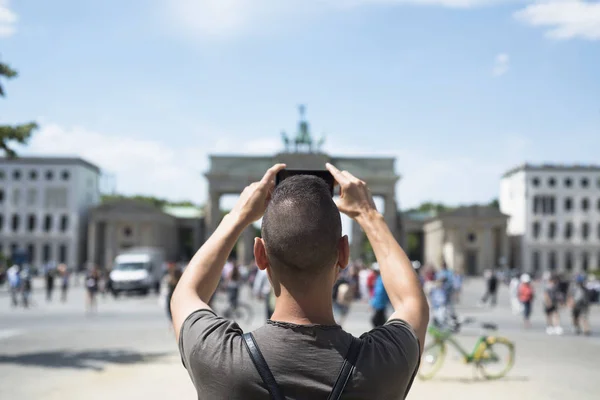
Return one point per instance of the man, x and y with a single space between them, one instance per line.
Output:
579 301
491 280
379 302
262 291
526 294
302 250
552 301
14 281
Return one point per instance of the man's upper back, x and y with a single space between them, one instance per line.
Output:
305 359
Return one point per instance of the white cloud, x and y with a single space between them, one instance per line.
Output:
143 166
8 19
565 19
222 18
501 64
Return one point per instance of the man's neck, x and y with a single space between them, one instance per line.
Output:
305 310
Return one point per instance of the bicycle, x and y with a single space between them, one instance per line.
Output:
489 352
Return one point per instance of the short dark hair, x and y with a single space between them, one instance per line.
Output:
302 226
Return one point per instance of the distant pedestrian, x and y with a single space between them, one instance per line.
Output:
14 283
372 279
63 274
26 285
173 275
49 272
579 301
552 301
491 293
92 283
513 292
261 289
363 277
344 292
526 296
379 302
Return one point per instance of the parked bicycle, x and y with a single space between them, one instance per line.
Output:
492 356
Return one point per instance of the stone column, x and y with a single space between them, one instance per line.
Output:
91 242
245 246
390 213
358 238
110 244
213 212
486 250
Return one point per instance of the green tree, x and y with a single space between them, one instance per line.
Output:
8 133
495 204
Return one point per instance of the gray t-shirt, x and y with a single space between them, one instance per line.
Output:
305 359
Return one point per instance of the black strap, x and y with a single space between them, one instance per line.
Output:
269 380
262 367
347 369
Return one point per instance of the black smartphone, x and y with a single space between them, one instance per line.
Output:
323 174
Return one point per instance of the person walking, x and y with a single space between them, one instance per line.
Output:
92 284
513 292
526 296
261 289
173 276
14 283
233 281
552 300
379 302
26 285
491 293
579 301
343 294
49 272
63 274
301 352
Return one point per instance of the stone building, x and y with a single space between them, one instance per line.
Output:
121 224
468 239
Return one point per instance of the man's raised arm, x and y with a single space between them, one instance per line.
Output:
201 277
399 278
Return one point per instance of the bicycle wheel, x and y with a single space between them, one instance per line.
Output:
495 357
432 359
243 313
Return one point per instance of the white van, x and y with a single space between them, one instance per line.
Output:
137 269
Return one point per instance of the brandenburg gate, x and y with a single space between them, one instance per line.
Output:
230 174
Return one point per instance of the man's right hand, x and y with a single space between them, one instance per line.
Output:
355 197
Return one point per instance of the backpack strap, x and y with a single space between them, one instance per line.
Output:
347 368
262 367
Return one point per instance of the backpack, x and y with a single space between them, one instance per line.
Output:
525 293
345 294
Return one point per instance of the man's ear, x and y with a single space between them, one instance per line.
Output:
343 252
260 254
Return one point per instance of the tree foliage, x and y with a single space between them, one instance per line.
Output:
12 134
155 201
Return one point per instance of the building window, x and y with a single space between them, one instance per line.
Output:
552 261
16 221
471 237
585 261
2 175
62 253
535 261
46 253
2 197
598 204
64 223
49 175
598 230
2 223
13 249
568 204
66 175
535 182
48 223
31 223
33 175
568 182
16 197
551 182
568 230
536 229
585 230
544 205
551 230
31 253
568 261
585 182
127 231
585 204
31 196
16 175
56 197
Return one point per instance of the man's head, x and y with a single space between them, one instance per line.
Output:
301 232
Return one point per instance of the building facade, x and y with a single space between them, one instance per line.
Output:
44 203
468 239
554 217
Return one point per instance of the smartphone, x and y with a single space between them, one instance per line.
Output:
323 174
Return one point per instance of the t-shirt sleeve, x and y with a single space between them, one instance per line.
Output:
206 340
394 352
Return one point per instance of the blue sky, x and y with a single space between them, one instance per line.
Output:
458 90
